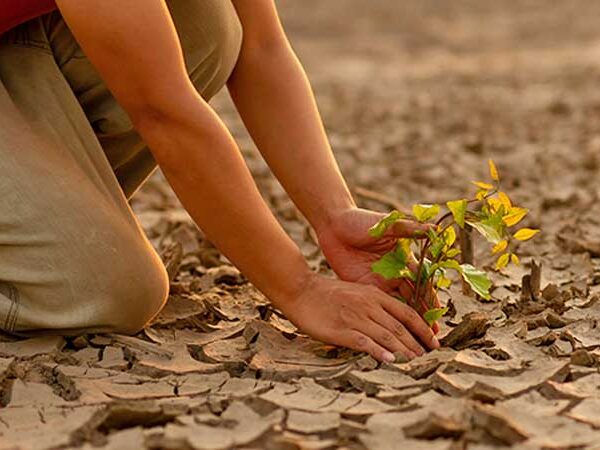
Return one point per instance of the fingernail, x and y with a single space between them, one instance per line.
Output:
388 357
436 343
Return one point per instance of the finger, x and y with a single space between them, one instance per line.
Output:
398 330
386 338
406 291
408 229
359 341
411 320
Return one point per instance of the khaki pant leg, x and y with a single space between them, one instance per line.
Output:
210 34
72 256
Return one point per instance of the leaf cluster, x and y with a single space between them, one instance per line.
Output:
425 261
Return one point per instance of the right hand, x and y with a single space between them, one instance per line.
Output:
360 317
351 252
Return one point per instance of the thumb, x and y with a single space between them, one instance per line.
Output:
408 229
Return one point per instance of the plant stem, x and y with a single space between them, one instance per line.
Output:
424 247
423 253
426 244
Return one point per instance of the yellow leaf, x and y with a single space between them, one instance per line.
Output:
505 201
502 261
450 236
500 247
423 212
524 234
452 253
481 194
493 170
443 282
514 216
515 259
405 244
494 203
482 185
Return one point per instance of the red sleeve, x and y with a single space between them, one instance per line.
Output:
15 12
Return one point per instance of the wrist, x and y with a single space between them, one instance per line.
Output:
290 280
330 216
296 285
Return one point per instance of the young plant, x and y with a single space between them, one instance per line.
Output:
426 260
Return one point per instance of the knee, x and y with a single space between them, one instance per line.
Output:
120 284
211 34
114 286
138 288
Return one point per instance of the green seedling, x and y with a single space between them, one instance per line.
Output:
425 261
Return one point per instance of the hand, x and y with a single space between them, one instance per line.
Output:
359 317
350 251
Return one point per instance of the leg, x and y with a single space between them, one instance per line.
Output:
210 34
72 256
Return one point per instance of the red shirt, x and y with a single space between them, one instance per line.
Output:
15 12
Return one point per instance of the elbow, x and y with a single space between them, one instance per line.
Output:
261 49
167 126
160 106
147 116
160 124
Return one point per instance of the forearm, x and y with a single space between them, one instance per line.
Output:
274 98
203 165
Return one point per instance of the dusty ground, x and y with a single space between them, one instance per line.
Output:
416 96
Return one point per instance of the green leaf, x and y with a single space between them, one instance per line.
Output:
477 279
423 213
433 315
437 243
427 270
490 226
391 264
451 264
453 252
379 229
458 209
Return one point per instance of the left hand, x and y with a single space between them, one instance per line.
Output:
350 251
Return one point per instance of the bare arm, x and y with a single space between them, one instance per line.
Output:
135 48
275 100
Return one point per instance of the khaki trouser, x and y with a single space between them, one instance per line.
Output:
72 256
